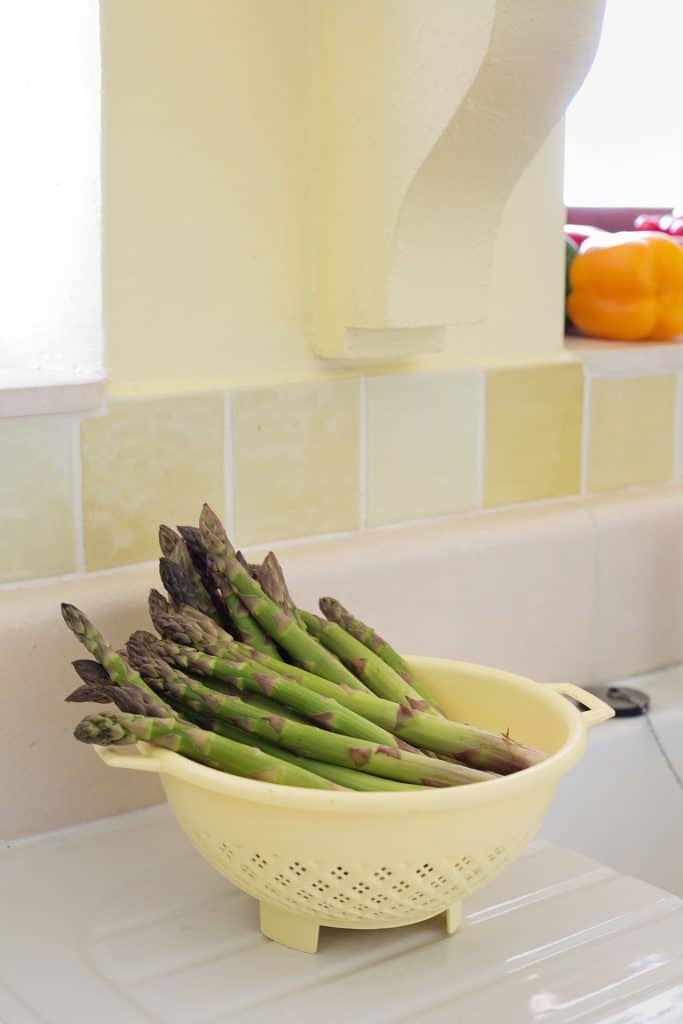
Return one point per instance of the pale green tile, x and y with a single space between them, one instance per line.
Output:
36 498
150 460
423 445
296 460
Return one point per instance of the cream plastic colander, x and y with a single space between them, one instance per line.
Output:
377 860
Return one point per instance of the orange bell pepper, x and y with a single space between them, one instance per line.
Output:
627 286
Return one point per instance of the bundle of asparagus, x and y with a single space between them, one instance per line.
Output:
242 680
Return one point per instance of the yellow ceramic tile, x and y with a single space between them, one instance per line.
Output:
36 500
296 456
148 461
533 433
423 448
631 432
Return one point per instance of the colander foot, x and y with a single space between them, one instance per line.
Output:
288 929
453 917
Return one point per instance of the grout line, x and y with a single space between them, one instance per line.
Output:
228 467
363 454
585 430
77 495
567 502
481 441
594 631
677 428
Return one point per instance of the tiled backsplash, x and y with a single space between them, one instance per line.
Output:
323 457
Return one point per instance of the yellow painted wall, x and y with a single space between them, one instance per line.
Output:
207 213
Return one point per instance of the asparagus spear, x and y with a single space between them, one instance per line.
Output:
130 699
151 657
185 625
279 625
466 743
246 627
193 538
362 755
199 745
168 539
336 612
347 777
118 670
374 672
272 580
348 751
184 584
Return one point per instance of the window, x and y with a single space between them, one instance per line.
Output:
50 242
624 145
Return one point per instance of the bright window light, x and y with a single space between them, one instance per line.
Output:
624 145
50 216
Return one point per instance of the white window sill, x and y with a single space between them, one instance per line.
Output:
627 358
48 392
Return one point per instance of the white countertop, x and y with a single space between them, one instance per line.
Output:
121 922
623 802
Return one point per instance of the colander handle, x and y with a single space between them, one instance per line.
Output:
141 762
598 710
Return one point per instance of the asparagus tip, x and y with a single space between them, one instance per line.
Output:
102 729
86 692
74 618
91 672
167 539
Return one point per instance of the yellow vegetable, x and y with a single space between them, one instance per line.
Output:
627 287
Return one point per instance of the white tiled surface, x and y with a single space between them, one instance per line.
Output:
121 922
623 802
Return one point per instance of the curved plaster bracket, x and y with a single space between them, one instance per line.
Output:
425 114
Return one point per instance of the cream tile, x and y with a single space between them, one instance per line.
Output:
149 461
631 431
296 460
423 445
36 499
639 584
533 433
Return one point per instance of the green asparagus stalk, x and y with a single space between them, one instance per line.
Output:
336 612
151 657
217 752
467 744
272 579
361 755
347 777
278 624
118 670
247 628
374 672
304 739
244 625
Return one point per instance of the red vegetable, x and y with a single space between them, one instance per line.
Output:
647 222
580 232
